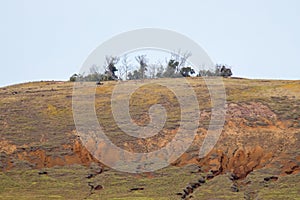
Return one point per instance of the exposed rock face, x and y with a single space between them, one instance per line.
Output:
240 161
253 138
39 158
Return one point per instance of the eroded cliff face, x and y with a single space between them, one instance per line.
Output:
253 138
23 157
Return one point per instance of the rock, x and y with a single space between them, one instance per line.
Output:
234 188
233 177
90 176
93 187
136 189
195 185
185 191
201 180
98 187
190 189
209 176
43 173
271 178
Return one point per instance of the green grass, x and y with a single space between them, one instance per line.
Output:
70 183
286 187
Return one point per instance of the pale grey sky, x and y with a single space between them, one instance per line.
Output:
50 39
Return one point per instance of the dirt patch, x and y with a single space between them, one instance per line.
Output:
251 109
7 147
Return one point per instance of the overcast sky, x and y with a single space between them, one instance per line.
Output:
50 39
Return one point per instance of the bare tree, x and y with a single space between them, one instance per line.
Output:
181 58
121 71
152 70
142 60
125 67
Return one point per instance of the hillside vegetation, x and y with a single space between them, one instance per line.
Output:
256 157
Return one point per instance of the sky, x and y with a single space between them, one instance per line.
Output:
50 39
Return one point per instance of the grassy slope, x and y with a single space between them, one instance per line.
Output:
39 116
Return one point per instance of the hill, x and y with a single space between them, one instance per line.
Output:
256 157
